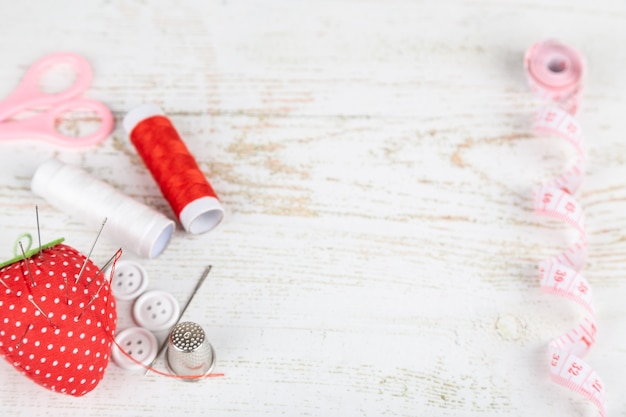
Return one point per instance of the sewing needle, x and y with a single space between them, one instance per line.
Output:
23 336
31 298
38 229
93 298
193 293
32 279
91 250
106 265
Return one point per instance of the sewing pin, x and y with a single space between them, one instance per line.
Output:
32 279
23 336
32 300
38 229
193 293
91 250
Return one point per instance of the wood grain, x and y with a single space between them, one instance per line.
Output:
376 162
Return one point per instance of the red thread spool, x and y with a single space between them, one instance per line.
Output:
174 168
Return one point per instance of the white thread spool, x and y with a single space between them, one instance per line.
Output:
133 225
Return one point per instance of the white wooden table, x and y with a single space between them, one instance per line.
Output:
376 162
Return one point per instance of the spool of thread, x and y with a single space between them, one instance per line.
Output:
174 169
131 224
555 72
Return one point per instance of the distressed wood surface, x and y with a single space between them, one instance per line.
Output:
376 162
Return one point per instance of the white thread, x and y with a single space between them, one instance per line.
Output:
131 224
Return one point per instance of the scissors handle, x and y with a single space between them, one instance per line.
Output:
43 125
28 95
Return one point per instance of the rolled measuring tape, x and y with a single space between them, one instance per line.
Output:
561 274
555 73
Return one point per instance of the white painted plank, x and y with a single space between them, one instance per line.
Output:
376 162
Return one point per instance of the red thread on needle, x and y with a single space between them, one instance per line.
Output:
174 168
161 373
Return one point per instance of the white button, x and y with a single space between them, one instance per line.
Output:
156 310
138 343
129 280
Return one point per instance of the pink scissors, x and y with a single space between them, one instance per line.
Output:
29 96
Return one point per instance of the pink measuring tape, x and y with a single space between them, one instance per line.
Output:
555 72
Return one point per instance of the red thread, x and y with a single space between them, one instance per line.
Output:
170 162
156 371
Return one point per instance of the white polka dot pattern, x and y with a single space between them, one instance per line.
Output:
57 332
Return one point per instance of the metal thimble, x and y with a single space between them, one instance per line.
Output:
189 353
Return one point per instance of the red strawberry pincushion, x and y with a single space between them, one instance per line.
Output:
54 330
